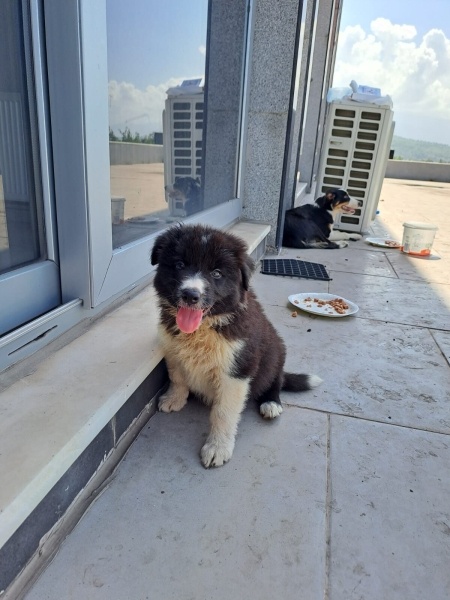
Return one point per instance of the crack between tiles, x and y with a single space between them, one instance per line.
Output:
368 419
391 264
328 501
418 326
447 360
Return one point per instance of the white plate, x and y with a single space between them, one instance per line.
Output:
381 242
306 302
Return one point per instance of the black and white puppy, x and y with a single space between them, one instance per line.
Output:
311 225
188 192
217 341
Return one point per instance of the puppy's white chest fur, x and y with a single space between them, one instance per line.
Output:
205 358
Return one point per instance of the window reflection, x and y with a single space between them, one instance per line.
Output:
156 67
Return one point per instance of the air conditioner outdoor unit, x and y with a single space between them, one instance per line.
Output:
354 157
183 136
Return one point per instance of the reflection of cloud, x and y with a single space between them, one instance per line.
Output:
416 73
140 110
202 50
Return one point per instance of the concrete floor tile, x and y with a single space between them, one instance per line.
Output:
434 269
370 369
395 300
389 512
168 528
358 257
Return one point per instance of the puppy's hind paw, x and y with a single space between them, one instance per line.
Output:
270 410
354 237
342 243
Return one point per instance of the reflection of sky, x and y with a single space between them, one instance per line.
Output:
150 41
152 44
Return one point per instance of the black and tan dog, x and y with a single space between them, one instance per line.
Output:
217 341
311 225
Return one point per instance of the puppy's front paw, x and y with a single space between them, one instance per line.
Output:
171 402
342 243
215 453
270 410
354 237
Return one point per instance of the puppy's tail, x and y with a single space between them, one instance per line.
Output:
296 382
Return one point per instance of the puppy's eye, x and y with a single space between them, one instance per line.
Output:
216 274
179 265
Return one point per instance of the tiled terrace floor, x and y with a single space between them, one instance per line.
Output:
345 497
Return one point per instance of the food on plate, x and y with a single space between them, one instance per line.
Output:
337 304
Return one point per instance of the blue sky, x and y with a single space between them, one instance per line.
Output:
403 47
150 41
423 14
153 44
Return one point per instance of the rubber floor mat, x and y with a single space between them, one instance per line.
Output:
289 267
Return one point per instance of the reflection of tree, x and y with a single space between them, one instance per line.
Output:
134 138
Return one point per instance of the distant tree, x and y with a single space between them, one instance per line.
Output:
133 138
126 135
112 136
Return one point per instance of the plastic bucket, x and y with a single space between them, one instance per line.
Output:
117 210
418 238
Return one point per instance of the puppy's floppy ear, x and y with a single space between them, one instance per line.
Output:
160 242
247 268
157 247
330 195
321 201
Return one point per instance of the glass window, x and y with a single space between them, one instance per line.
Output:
21 222
29 275
156 71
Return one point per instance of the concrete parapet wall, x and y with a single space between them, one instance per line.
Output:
423 171
126 153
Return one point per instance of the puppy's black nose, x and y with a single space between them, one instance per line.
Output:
190 295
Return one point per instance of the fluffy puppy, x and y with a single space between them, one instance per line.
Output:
217 341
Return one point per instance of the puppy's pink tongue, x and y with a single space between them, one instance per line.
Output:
189 319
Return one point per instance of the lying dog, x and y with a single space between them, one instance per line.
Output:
311 225
217 341
187 194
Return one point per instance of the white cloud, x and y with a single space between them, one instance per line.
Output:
202 50
140 110
414 72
